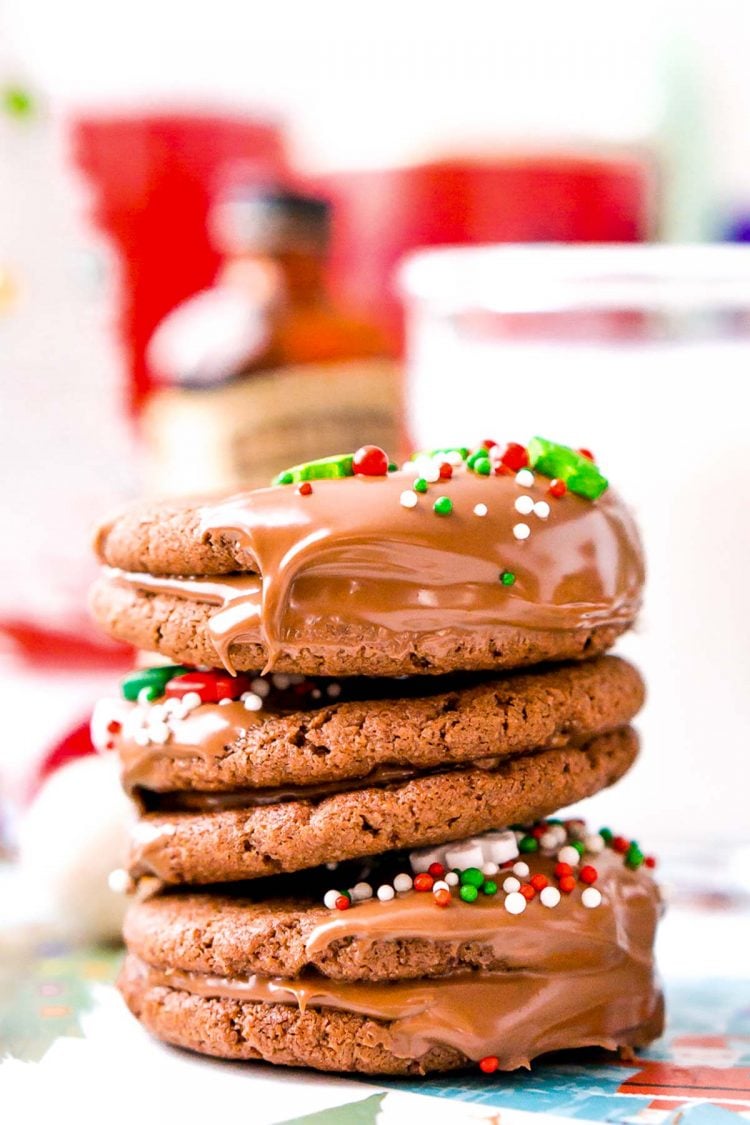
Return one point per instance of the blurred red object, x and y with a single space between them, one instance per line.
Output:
154 177
48 649
381 215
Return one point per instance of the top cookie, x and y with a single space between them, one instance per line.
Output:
458 560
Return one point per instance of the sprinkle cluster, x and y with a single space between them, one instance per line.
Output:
168 694
496 864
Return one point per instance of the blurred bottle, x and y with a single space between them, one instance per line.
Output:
261 370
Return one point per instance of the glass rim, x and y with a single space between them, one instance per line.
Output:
547 277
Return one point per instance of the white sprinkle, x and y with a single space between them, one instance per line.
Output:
158 733
296 679
408 499
331 866
281 681
261 687
480 509
521 869
225 701
191 700
402 883
333 691
524 505
591 897
386 893
570 855
157 713
119 882
541 509
549 841
142 737
316 693
252 701
453 458
360 892
490 869
440 885
549 896
515 903
511 885
431 472
521 530
525 478
451 878
329 899
170 707
594 843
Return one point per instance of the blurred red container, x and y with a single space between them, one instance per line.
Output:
381 215
154 177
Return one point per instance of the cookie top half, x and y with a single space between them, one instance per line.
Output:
500 557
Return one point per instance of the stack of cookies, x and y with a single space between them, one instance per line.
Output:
375 688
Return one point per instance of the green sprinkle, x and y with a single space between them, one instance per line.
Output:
607 835
507 577
392 467
479 455
566 464
443 506
489 887
483 466
634 857
152 681
468 893
528 844
579 846
471 877
420 485
326 468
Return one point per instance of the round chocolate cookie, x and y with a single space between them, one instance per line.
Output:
378 575
285 737
248 842
406 985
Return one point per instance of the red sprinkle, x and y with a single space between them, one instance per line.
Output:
588 874
446 471
538 832
210 686
620 844
109 744
489 1064
370 461
539 882
488 443
342 903
113 726
562 869
557 488
567 884
527 891
304 489
442 897
650 861
587 454
423 881
436 870
515 456
502 470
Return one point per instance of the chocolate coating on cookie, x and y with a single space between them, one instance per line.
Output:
348 581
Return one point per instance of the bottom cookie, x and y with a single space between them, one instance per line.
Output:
409 1027
441 969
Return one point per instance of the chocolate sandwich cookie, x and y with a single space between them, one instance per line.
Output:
542 955
458 561
253 840
270 738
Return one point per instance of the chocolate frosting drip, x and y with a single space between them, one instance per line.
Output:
351 557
